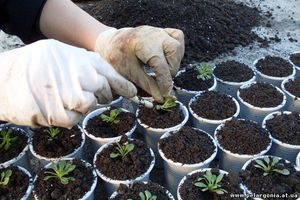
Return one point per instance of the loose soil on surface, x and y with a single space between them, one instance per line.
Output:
188 80
233 71
54 189
214 105
285 128
17 185
230 183
293 86
132 192
16 147
133 165
273 183
239 136
160 118
65 142
274 66
99 128
188 146
262 95
295 58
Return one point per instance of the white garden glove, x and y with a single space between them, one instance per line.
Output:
51 83
127 50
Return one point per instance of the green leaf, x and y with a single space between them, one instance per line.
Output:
275 161
148 194
153 198
283 171
267 160
142 196
260 162
200 184
219 178
114 155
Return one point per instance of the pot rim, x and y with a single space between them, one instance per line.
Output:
298 161
296 66
287 92
120 98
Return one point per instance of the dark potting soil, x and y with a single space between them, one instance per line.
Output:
188 146
230 182
274 66
273 183
54 189
16 147
99 128
285 128
63 144
214 105
233 71
132 191
188 80
17 185
262 95
295 58
293 86
160 118
133 165
239 136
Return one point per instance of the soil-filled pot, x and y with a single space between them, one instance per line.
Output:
14 147
123 162
133 191
46 147
100 131
190 187
259 99
284 128
19 185
281 181
183 151
291 87
79 180
239 141
231 75
273 70
295 59
210 109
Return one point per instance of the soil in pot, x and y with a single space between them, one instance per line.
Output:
239 136
295 58
262 95
274 66
64 143
188 146
233 71
17 144
99 128
214 105
17 184
293 86
230 183
75 189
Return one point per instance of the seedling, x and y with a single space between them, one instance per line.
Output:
205 72
5 176
61 170
146 196
53 132
210 183
168 104
268 166
112 118
7 139
123 150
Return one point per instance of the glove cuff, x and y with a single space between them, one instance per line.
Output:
102 37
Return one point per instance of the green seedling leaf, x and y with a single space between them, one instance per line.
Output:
209 182
5 176
7 139
269 166
146 195
112 118
53 132
122 150
168 104
205 72
60 171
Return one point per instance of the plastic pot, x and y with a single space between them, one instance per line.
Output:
280 149
298 161
209 125
117 103
255 113
296 66
292 102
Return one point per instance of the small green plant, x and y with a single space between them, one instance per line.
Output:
205 72
169 103
53 132
61 170
5 176
7 139
146 196
123 150
269 166
112 118
210 183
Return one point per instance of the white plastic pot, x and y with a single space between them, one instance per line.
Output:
233 162
296 66
117 103
175 171
209 125
280 149
298 161
97 142
112 185
292 102
255 113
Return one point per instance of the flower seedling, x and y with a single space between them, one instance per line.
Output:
210 183
5 176
146 196
60 171
168 104
7 139
112 118
268 166
53 132
205 72
123 150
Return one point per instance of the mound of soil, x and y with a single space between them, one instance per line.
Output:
295 58
293 86
274 66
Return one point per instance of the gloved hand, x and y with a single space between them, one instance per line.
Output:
127 50
51 83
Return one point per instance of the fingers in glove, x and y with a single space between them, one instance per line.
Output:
87 101
71 118
103 94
